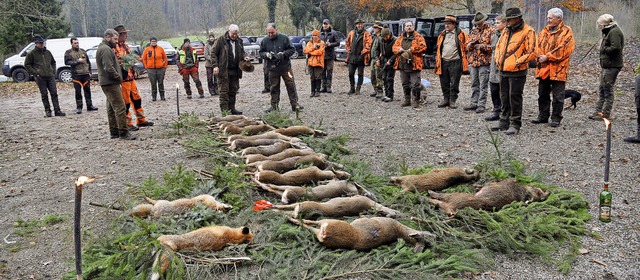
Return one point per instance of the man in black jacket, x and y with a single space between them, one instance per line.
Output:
41 64
331 41
80 73
276 49
226 55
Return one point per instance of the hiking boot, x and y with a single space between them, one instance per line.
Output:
387 99
78 111
163 99
127 136
373 94
499 128
443 103
92 108
352 90
59 114
153 98
357 90
266 90
595 116
406 102
480 110
632 139
328 89
554 124
452 104
297 107
511 131
539 120
47 114
493 117
273 108
470 107
188 96
202 95
324 89
147 123
114 134
236 112
133 128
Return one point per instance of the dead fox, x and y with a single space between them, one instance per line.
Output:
333 188
300 177
287 153
298 130
211 238
491 197
162 207
365 233
338 207
436 179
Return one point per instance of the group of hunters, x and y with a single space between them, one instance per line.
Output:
496 56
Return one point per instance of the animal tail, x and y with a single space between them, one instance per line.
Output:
222 192
150 200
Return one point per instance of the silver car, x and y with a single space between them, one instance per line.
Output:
91 53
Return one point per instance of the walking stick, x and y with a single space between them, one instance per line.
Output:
76 224
178 98
589 51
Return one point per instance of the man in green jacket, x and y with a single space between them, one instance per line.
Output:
41 64
611 63
110 78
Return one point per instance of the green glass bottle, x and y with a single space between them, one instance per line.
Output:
605 204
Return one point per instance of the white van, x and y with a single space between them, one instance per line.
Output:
14 66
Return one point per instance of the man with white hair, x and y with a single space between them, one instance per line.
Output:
611 62
554 47
225 58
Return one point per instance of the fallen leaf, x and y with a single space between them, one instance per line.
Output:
599 262
583 251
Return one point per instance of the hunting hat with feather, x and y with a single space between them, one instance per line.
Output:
246 66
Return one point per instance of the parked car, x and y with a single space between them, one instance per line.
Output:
297 42
252 48
170 51
199 47
307 37
136 49
14 66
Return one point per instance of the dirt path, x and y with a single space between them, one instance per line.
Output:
41 157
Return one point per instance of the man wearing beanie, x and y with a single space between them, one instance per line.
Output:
188 66
386 61
315 60
41 64
611 63
330 39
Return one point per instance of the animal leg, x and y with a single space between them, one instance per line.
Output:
436 195
395 214
306 224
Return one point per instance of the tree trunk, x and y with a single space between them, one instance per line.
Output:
496 6
471 7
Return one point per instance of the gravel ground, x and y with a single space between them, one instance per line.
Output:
41 157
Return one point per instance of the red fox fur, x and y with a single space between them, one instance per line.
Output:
338 207
211 238
161 207
251 129
364 233
291 152
291 163
299 176
298 130
491 197
436 179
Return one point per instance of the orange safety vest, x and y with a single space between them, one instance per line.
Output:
515 50
461 45
418 46
557 45
316 55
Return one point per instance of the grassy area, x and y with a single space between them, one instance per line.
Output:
552 229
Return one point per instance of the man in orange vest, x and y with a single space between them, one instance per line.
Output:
554 47
514 51
130 91
358 47
451 60
408 49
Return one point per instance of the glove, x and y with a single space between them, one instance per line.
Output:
269 55
279 56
